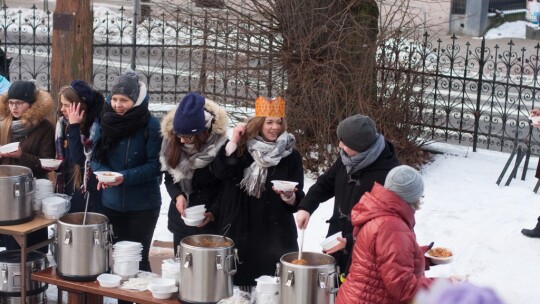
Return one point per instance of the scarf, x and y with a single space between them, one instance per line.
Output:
18 130
115 127
265 155
363 159
61 148
193 159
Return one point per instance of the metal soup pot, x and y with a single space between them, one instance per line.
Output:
313 283
207 265
83 250
17 188
11 273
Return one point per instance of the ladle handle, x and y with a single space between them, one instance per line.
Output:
301 243
86 207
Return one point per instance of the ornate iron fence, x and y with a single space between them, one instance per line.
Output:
470 95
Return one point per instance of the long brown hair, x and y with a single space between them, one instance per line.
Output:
5 129
173 151
254 127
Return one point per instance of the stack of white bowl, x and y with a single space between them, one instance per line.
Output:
44 188
55 205
126 257
267 290
162 288
170 269
194 215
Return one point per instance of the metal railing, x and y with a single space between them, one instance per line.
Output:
469 95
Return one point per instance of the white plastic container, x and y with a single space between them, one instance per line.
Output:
331 241
109 280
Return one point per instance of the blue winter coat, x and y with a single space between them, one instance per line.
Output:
137 159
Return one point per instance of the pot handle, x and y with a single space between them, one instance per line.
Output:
290 278
333 278
187 261
230 260
4 275
67 237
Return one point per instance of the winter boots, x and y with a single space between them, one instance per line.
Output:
534 233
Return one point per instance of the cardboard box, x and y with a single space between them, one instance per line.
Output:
159 251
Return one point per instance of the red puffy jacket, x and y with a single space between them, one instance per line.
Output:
387 264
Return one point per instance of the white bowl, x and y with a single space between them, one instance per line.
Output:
282 185
162 295
162 285
331 241
50 163
8 148
535 120
267 284
193 221
195 211
109 280
107 176
438 259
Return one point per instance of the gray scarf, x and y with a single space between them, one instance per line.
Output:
363 159
18 131
183 173
265 155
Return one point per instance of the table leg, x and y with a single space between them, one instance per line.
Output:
94 299
76 298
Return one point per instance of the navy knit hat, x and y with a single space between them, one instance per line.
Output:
357 132
84 91
22 90
189 117
127 84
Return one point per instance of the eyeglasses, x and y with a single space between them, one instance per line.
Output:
185 137
15 104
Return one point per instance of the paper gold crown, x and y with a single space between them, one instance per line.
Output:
265 107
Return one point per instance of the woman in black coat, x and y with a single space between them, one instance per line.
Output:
193 134
260 219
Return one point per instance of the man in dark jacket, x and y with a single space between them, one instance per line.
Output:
365 158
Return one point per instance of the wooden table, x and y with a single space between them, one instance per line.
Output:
20 233
92 293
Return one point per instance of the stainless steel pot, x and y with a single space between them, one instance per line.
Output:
17 188
82 250
314 283
11 273
207 265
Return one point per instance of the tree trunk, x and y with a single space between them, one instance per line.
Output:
72 44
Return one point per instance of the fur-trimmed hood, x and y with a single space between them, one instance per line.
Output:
39 111
219 126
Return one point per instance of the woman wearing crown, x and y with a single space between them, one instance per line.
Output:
258 217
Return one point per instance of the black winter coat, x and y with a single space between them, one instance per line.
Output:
347 190
205 190
263 229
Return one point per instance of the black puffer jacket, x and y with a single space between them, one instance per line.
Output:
347 190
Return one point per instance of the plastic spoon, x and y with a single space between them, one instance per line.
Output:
301 244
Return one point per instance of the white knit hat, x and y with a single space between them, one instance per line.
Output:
406 182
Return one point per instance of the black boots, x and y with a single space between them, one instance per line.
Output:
534 233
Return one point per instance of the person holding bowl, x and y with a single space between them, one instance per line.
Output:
257 217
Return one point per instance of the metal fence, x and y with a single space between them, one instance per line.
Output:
506 5
469 95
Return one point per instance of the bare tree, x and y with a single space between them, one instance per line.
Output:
329 52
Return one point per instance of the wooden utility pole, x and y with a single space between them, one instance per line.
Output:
72 44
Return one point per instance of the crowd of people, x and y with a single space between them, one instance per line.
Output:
375 197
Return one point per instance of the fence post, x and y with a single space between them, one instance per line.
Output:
136 6
479 92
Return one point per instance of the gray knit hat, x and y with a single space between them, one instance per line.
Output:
127 84
406 182
357 132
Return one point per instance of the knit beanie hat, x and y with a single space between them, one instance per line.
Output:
466 293
406 182
357 132
84 91
189 118
127 84
22 90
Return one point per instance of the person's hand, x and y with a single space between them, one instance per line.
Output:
181 204
16 154
286 196
117 181
302 219
48 168
342 243
74 113
238 132
535 112
208 217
